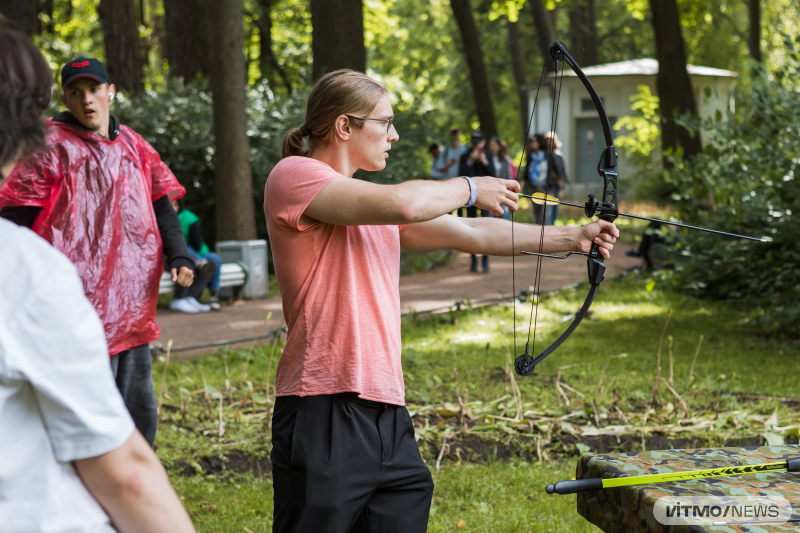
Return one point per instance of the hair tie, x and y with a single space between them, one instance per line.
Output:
304 131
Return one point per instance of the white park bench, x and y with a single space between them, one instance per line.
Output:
233 275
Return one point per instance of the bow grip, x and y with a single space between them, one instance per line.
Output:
596 266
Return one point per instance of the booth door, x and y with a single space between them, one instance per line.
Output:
590 146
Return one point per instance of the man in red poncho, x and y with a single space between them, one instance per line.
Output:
101 195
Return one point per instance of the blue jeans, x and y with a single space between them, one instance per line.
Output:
133 373
551 212
213 285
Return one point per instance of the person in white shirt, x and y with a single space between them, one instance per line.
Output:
72 460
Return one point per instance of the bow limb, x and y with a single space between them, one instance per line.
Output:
525 364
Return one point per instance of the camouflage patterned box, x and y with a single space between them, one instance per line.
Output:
630 509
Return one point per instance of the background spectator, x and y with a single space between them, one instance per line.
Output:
437 165
503 166
477 161
207 262
556 174
536 173
451 155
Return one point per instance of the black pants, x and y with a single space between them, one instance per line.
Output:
342 464
133 372
204 272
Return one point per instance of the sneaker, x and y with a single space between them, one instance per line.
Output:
201 308
213 303
633 253
183 305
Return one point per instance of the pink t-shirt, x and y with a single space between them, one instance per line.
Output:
340 292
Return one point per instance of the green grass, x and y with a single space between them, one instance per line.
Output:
500 496
446 357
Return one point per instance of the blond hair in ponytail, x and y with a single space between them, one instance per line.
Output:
341 92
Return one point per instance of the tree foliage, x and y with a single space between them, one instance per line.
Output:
751 174
644 133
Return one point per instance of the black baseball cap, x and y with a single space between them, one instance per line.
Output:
477 137
83 67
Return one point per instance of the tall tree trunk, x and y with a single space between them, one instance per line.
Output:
47 8
545 31
337 36
477 69
521 77
754 36
233 179
583 32
124 60
187 30
22 14
673 83
266 59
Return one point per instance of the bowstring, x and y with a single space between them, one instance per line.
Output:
513 248
537 280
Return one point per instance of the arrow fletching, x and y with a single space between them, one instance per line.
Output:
541 198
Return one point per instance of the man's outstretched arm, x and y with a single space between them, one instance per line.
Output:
132 486
352 202
492 236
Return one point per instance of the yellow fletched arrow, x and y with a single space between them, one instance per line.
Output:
542 199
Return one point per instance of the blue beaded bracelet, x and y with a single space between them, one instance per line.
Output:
473 191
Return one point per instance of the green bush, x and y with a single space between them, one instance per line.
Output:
750 176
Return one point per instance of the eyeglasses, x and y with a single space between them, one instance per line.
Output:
388 121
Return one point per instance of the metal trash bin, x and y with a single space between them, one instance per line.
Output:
253 254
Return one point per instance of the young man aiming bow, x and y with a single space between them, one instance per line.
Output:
344 454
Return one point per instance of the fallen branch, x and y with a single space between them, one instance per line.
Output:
691 370
441 453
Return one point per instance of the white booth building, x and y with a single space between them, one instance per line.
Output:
578 125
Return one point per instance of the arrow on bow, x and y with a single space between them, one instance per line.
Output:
590 209
605 209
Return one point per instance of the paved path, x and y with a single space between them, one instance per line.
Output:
428 290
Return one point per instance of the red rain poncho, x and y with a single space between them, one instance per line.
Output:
97 197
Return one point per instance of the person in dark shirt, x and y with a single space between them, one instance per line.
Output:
477 161
208 265
556 175
101 196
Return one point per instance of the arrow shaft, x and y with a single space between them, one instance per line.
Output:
582 485
693 474
543 201
692 227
